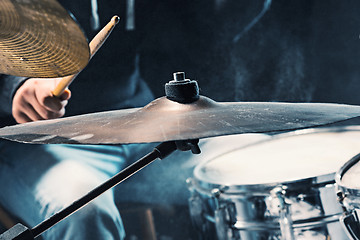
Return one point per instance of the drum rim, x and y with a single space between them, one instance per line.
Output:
342 171
324 179
261 189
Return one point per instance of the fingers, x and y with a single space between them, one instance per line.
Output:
23 109
22 118
47 108
47 100
66 95
25 113
51 103
34 101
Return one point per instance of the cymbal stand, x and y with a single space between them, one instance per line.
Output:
21 232
180 90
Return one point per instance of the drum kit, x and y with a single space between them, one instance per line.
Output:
282 188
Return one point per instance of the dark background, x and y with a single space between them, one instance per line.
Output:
298 51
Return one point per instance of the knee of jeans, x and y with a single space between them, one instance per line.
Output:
99 213
66 182
99 219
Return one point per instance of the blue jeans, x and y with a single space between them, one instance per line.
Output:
40 180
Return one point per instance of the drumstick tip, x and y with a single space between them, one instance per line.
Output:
115 19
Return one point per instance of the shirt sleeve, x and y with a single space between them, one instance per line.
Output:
8 86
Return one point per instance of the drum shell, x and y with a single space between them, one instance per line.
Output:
251 211
254 214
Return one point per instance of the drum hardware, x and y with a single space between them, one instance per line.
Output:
38 38
349 220
196 210
225 213
351 223
347 196
196 213
182 90
228 227
294 201
297 224
278 196
223 216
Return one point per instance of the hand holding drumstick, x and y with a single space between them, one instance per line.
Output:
40 99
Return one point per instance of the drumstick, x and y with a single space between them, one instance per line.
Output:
94 46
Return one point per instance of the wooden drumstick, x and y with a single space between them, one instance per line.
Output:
94 46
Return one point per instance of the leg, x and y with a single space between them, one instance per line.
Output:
40 180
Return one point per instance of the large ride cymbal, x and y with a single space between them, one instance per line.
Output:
166 120
38 38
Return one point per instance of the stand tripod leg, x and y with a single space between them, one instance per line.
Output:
17 232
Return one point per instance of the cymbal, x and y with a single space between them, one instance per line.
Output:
38 38
166 120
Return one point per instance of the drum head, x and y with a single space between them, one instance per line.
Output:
307 154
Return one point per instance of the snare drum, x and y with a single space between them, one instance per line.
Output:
281 188
348 191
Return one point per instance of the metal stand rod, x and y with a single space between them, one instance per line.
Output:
161 151
21 232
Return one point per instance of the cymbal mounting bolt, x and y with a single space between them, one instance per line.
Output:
182 90
179 76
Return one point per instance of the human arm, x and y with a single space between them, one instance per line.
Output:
34 101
